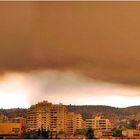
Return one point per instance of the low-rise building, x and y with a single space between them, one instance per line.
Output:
98 123
103 133
3 118
19 120
131 133
10 130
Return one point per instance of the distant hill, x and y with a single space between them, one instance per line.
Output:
14 112
132 109
88 111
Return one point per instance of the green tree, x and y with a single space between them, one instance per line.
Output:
117 132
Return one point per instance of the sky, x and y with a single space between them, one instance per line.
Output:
69 52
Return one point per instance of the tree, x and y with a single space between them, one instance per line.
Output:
51 135
47 133
39 132
33 134
56 135
117 132
80 132
26 135
133 124
90 133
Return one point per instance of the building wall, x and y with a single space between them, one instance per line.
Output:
138 126
89 123
71 123
58 118
131 133
79 121
47 116
10 128
74 122
102 133
19 120
3 118
32 118
38 116
98 123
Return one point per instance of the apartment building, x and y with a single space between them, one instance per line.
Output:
47 116
79 121
38 116
74 122
71 123
57 118
98 123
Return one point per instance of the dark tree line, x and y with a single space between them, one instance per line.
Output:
40 134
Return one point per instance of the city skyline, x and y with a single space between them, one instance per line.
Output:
82 53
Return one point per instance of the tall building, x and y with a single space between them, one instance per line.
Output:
79 121
74 122
47 116
38 116
98 123
71 123
57 118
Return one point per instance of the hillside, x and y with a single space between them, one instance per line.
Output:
14 112
88 111
132 109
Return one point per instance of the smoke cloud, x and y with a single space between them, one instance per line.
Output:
98 39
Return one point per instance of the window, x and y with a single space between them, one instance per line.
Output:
15 130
